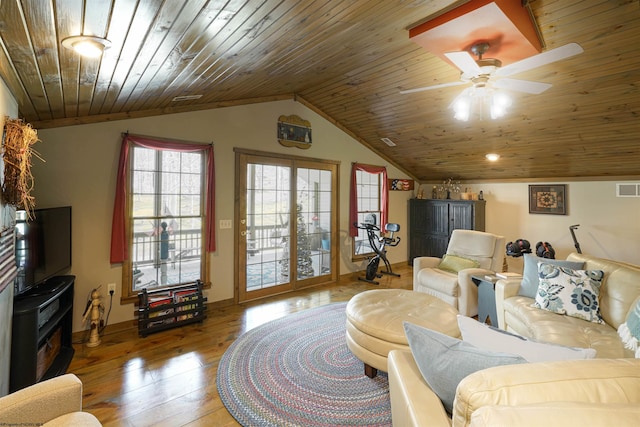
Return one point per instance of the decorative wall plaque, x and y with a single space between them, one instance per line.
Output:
400 184
548 199
294 132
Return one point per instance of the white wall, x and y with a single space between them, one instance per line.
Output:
609 225
80 171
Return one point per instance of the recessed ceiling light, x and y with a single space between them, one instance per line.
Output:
186 98
389 142
88 46
492 157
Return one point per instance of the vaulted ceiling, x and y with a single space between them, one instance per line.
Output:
347 60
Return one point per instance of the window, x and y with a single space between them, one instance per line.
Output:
368 209
368 205
167 214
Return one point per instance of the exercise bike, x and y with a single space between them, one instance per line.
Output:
379 246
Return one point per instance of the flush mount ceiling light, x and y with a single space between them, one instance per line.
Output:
88 46
492 157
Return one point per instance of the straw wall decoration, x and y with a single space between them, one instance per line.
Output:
18 137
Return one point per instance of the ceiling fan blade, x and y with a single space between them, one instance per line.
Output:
522 85
464 61
544 58
421 89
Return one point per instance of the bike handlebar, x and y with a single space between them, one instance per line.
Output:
367 226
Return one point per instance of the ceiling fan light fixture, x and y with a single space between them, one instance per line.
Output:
480 101
500 101
462 105
87 46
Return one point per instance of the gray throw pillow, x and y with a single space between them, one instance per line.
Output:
530 279
444 361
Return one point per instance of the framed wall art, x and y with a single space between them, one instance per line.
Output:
548 199
294 131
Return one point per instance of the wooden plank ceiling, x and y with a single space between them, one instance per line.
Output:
347 60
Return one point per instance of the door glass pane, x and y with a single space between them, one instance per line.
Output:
267 239
313 222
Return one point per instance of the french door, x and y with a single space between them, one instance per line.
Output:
286 216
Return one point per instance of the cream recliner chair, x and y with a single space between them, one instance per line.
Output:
457 289
56 402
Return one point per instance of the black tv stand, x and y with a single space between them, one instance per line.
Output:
51 286
41 345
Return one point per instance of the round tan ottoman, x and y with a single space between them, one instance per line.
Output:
374 323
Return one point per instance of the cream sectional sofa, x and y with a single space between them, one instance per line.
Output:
619 291
596 392
591 392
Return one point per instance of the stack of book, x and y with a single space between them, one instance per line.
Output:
508 275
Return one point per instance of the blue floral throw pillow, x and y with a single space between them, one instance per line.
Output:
629 331
571 292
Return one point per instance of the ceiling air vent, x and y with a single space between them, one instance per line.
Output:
389 142
627 189
186 98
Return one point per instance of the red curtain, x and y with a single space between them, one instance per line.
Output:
353 196
119 247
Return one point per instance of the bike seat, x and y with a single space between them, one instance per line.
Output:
392 226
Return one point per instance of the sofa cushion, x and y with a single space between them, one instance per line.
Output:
629 331
489 338
620 289
454 263
439 280
476 245
79 419
530 280
444 361
557 414
523 318
594 381
575 293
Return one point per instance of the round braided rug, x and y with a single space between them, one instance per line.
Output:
298 371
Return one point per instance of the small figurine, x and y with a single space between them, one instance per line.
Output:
94 309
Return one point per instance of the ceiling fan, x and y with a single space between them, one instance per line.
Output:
482 71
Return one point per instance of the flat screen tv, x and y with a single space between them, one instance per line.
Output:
43 248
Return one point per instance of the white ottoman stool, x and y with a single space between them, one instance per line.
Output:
374 323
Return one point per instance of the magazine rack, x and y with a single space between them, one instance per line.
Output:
163 309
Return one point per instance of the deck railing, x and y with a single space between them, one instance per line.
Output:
187 244
183 244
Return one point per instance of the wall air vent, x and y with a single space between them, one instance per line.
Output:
628 189
389 142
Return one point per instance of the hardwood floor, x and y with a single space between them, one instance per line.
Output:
169 378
